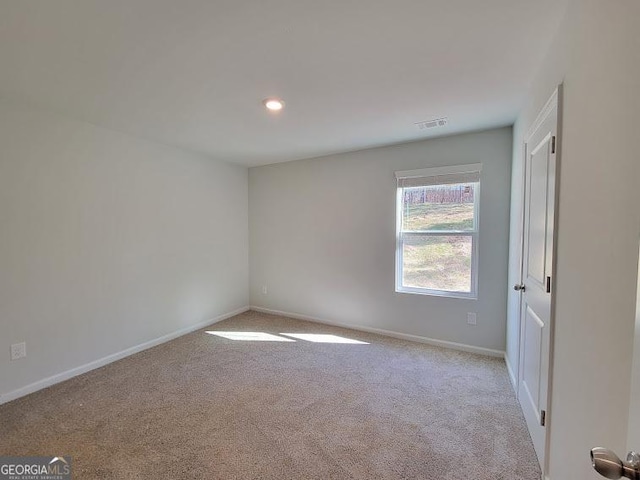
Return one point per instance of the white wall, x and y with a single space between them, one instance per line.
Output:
550 76
322 239
108 241
596 54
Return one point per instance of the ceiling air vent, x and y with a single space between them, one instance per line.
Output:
428 124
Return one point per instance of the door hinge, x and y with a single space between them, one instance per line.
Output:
548 284
543 417
553 144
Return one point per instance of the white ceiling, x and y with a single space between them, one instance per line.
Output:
353 73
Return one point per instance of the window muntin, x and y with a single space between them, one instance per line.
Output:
437 233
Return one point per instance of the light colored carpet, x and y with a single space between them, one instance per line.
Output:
207 407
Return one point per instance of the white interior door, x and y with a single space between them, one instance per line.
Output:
611 464
633 440
537 274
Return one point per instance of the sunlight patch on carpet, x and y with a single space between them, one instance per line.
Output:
251 336
323 338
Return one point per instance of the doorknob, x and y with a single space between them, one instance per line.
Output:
607 464
519 287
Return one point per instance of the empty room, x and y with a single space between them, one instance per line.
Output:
308 240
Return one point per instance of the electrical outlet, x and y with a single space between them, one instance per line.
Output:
264 289
471 318
18 350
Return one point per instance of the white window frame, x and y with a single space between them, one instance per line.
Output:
452 173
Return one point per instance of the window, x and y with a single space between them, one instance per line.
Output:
437 231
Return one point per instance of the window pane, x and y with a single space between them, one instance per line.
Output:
439 262
438 207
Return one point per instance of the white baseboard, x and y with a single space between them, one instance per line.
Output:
512 376
74 372
387 333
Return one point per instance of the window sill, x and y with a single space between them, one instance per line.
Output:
437 293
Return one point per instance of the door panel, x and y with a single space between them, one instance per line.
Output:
533 330
536 254
537 264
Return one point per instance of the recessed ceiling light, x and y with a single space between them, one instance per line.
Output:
273 104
